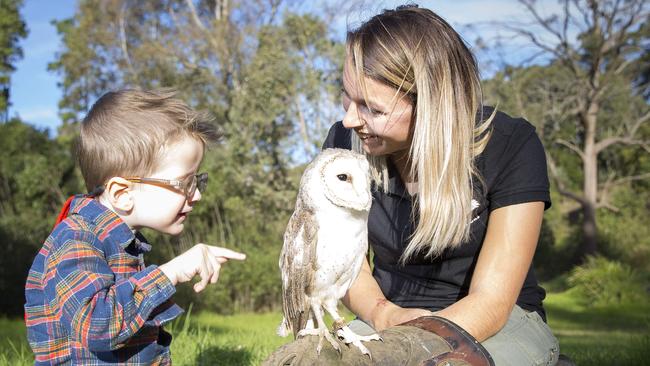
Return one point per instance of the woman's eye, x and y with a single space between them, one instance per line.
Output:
371 111
342 177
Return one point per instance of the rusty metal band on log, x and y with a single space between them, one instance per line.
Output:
426 341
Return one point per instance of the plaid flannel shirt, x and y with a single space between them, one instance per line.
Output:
90 298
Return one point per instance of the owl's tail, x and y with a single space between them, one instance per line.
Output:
284 329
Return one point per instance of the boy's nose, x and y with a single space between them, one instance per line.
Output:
196 196
352 119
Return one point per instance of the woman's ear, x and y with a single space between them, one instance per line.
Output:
119 194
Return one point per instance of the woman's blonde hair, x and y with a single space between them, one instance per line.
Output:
416 52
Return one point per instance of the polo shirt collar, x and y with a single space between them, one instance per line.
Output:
396 186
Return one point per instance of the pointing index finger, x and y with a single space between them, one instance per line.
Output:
226 253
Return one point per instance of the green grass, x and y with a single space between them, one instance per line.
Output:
14 349
613 335
605 335
199 339
210 339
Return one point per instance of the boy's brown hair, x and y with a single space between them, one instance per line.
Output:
126 132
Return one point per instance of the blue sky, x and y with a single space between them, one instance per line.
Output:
34 93
34 90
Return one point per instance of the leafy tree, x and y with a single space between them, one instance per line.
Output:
36 175
12 29
591 99
266 70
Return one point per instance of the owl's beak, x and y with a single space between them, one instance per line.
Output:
367 202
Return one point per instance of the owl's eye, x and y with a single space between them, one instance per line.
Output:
342 177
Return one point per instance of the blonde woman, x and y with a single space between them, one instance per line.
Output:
459 190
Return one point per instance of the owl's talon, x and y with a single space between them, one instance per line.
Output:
306 332
320 346
349 336
322 333
332 341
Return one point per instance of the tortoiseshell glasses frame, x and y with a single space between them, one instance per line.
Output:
188 185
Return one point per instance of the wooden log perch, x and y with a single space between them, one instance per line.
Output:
426 341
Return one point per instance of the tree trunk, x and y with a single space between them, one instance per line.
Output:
590 184
589 234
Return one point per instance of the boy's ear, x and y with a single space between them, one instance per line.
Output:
118 193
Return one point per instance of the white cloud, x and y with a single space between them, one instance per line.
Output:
39 116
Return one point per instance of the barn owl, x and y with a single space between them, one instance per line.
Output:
324 246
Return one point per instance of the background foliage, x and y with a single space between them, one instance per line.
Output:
269 70
12 29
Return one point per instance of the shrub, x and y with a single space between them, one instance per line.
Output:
601 281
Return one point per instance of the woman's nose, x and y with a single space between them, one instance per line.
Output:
352 119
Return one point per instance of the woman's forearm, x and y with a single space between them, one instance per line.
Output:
503 263
368 302
479 315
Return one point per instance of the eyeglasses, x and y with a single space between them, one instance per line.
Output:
188 185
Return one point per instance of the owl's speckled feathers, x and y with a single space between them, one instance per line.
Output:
325 243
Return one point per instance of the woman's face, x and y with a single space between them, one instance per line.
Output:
383 121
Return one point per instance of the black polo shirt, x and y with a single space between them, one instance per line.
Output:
513 167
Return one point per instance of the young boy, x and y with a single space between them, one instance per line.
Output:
90 297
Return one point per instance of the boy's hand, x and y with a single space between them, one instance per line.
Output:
204 260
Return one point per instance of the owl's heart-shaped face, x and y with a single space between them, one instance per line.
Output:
347 182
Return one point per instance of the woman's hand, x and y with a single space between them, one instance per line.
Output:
386 314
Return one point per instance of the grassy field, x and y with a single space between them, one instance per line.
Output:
615 335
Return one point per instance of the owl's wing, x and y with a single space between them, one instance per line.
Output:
298 265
